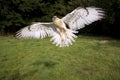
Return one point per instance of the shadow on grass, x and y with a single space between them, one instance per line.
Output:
115 44
48 64
7 75
15 76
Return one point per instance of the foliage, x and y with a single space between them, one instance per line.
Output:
18 13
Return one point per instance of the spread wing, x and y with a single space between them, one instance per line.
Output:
80 17
41 30
36 30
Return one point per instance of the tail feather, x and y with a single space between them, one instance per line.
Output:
68 39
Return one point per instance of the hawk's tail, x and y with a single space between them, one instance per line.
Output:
68 39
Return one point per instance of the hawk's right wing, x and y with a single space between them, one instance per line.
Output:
36 30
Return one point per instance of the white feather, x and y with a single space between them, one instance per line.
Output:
75 20
36 30
80 17
56 38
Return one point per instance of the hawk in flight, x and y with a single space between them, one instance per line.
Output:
62 31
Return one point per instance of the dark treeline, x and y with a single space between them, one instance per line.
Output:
15 14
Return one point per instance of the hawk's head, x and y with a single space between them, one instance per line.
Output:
55 18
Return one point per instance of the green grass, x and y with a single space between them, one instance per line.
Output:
89 58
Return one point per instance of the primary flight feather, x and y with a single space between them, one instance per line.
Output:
57 30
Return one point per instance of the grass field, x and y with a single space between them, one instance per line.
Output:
89 58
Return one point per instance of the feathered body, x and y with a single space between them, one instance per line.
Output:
57 30
61 26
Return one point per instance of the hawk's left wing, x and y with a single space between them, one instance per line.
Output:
80 17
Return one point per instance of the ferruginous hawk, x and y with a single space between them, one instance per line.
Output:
60 34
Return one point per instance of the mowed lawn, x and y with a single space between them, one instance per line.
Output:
89 58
